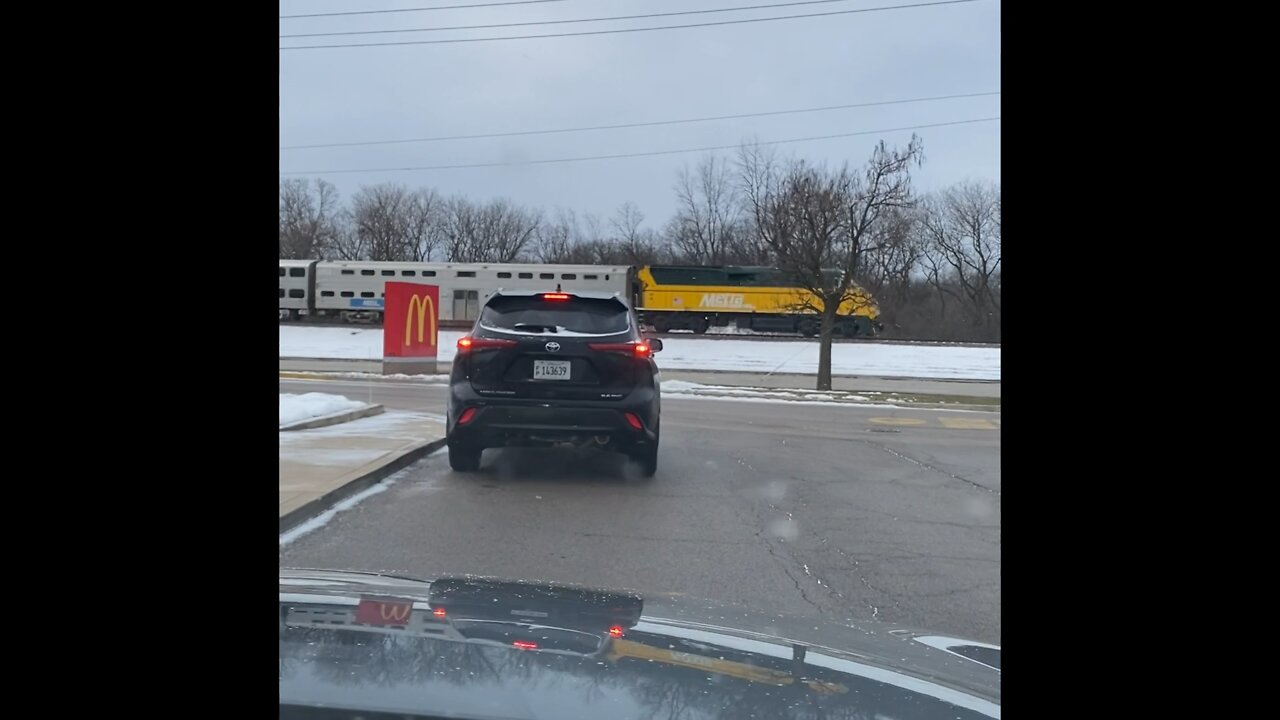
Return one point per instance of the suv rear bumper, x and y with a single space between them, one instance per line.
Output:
503 422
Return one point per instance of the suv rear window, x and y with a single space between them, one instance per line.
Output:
587 316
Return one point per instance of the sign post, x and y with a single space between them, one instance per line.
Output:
409 328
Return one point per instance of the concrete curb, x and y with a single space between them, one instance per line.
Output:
303 513
371 377
334 418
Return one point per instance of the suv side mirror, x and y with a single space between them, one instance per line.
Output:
655 344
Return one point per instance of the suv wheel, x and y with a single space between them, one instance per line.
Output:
464 459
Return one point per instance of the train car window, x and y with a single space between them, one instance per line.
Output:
366 272
281 272
389 273
466 273
348 293
281 292
297 272
367 293
568 276
526 276
547 276
428 273
348 272
409 273
297 293
326 293
504 275
590 277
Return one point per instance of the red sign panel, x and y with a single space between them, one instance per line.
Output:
410 315
383 612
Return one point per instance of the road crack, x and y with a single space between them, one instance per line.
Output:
928 466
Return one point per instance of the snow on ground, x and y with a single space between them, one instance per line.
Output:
294 408
694 353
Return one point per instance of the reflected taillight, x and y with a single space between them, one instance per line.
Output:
466 343
525 645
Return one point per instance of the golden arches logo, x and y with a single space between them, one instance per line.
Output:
397 612
426 308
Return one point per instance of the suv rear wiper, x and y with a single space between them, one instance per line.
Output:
533 327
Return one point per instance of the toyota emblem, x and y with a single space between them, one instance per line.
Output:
553 347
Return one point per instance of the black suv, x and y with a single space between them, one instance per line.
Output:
550 368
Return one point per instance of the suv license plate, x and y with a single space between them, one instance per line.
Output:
551 369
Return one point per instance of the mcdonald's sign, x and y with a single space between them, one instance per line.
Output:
410 311
383 612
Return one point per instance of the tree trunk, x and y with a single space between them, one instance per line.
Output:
824 345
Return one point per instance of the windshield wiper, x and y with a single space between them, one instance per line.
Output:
531 327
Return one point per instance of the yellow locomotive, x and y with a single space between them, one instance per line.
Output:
674 297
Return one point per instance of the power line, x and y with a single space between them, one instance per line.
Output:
631 30
636 125
566 22
419 9
639 154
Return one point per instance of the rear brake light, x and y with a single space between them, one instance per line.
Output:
438 612
466 416
525 645
638 349
467 343
615 631
555 296
634 421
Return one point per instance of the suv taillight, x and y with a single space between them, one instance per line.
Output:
637 349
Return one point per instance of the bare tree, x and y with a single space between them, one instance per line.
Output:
496 232
634 245
961 230
347 243
556 239
424 224
381 215
308 219
815 220
708 220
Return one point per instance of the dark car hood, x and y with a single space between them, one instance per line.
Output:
478 648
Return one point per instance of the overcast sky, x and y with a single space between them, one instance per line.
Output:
366 94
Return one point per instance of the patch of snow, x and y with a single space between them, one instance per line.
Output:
294 408
699 353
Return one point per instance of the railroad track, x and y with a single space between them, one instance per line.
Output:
710 335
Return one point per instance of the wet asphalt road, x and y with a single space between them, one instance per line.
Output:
848 512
